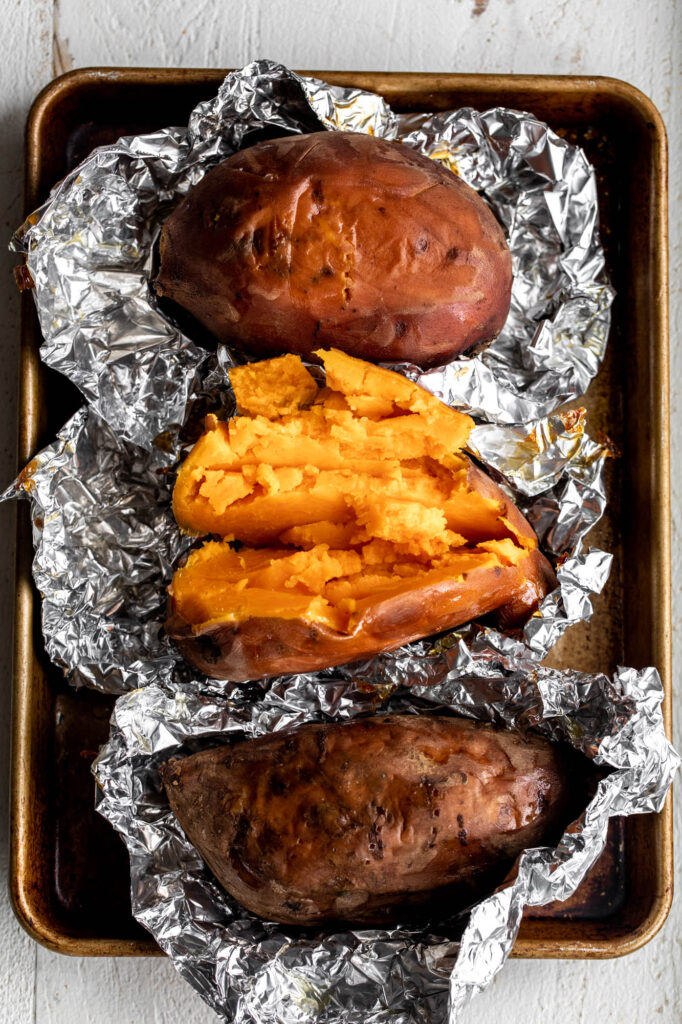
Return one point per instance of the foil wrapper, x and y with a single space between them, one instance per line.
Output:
250 970
106 542
89 251
104 553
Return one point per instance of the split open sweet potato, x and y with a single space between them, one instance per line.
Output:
338 239
375 820
361 524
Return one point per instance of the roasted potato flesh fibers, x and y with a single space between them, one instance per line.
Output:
359 512
374 820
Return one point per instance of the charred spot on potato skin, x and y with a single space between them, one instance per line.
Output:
321 739
318 193
431 791
209 650
293 905
462 836
172 771
242 827
270 838
452 253
376 844
277 785
258 241
326 271
311 816
400 328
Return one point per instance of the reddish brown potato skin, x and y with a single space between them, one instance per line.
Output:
258 648
371 821
338 240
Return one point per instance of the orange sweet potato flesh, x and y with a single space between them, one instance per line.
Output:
343 240
373 821
361 525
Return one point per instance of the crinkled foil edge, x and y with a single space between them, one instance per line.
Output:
106 543
90 250
250 970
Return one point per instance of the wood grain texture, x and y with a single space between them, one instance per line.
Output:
27 36
624 38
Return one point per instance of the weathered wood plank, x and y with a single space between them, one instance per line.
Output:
623 38
113 991
27 66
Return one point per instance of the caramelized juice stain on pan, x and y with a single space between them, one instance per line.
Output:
69 875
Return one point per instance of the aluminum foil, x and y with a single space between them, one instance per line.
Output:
106 542
89 250
250 970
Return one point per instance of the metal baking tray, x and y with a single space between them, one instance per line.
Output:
69 876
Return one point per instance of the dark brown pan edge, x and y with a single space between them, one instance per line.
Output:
538 938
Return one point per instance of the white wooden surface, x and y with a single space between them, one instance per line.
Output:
629 39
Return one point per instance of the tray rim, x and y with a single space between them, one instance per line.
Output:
23 898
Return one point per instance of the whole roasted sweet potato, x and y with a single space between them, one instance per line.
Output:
361 525
373 820
343 240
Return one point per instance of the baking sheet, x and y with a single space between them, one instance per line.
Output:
412 91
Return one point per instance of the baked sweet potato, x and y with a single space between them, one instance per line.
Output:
374 820
343 240
362 524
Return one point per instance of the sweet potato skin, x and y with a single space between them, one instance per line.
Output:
338 239
370 821
258 648
261 647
